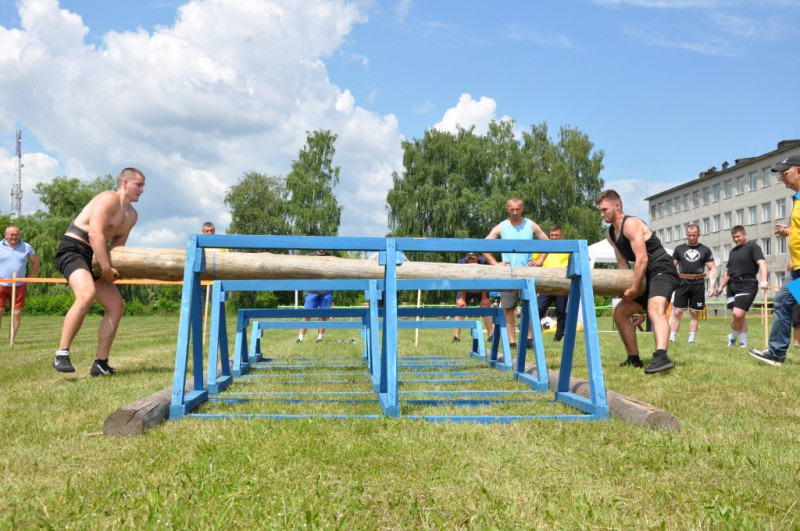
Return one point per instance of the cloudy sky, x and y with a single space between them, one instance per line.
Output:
197 93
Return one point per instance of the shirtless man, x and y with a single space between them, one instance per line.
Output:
104 223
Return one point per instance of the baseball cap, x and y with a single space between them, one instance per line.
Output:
787 163
472 255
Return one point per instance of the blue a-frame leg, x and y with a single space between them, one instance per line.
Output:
190 326
218 343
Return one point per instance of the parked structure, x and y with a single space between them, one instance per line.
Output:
746 193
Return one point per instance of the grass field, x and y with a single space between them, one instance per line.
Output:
734 464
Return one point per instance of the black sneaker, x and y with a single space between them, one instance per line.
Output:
765 356
529 344
632 361
456 339
101 368
557 338
659 363
299 340
61 363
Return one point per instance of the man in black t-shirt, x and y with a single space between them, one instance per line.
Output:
692 258
745 261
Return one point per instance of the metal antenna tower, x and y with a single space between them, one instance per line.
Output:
16 189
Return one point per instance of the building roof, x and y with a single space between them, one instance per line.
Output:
783 145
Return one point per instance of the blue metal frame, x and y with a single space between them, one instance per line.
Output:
384 367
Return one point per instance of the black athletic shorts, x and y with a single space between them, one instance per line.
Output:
473 298
661 282
691 295
72 255
741 293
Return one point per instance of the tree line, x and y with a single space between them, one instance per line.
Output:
453 185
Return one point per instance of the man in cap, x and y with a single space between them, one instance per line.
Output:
781 334
472 298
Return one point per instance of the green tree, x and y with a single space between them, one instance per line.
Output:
455 185
258 205
64 197
313 209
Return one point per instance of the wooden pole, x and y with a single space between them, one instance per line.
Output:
205 312
168 264
765 318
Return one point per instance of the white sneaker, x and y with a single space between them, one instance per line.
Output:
731 341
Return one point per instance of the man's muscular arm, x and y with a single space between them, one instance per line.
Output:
634 232
494 234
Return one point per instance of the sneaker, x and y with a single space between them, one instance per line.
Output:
690 342
744 345
299 340
659 364
319 340
529 344
632 361
456 339
557 338
672 340
61 363
101 368
731 341
765 356
513 346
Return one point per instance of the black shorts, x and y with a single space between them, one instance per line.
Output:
72 255
473 299
742 293
690 295
660 283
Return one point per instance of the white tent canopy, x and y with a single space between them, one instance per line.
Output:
603 253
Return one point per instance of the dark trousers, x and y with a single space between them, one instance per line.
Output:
560 302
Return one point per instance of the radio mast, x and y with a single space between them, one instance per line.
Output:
16 189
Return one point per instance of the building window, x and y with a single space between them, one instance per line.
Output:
716 189
781 246
685 227
669 207
753 181
706 195
706 225
661 210
661 234
740 185
740 217
766 246
686 202
727 251
653 212
678 233
669 234
752 215
780 277
696 195
765 177
716 223
780 208
766 212
728 188
728 221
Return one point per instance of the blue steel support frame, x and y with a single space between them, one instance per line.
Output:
391 250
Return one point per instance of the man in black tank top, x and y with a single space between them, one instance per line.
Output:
633 241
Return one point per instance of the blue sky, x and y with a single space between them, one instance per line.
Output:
197 93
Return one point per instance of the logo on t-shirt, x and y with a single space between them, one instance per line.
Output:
691 255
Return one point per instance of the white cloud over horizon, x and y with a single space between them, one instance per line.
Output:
195 107
192 105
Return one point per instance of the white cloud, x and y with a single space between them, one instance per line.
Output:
194 105
468 113
401 9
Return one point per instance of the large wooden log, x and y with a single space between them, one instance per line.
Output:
621 406
168 264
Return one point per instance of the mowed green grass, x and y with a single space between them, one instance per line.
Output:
734 464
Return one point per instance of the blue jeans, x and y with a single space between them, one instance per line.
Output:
781 335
